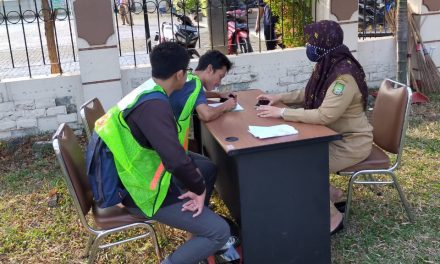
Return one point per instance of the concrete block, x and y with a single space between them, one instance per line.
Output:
7 106
24 132
240 69
49 123
65 100
27 114
3 93
25 105
38 112
300 78
67 118
5 135
285 80
45 103
7 116
7 125
57 110
26 123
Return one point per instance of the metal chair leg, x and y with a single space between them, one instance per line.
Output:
155 242
89 244
349 197
403 199
94 248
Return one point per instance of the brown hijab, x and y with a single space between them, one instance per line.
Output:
336 60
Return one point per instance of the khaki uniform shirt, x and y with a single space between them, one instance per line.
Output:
342 111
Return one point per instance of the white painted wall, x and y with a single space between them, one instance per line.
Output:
30 106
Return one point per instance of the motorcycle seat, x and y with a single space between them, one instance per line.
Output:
188 28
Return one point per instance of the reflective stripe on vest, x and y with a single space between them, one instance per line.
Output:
140 169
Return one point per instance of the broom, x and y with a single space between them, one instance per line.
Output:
429 74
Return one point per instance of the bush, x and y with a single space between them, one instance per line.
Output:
293 16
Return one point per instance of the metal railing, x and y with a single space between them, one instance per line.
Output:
376 18
153 15
24 45
25 27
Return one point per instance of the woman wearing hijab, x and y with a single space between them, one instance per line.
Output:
335 96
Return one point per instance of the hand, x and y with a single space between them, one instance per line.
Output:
257 28
273 98
230 104
195 202
269 111
226 95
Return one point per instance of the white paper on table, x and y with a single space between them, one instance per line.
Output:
272 131
237 108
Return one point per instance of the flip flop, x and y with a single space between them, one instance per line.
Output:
338 228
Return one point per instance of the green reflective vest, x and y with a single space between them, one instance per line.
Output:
140 169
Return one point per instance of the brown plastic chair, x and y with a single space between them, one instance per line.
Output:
390 121
90 112
107 220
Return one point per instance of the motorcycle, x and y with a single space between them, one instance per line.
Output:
238 32
184 33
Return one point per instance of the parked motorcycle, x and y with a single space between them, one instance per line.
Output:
238 32
183 33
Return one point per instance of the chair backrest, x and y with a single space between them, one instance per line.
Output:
71 159
90 112
390 114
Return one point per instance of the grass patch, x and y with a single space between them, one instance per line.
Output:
378 231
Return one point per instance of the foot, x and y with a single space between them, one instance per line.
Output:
336 223
335 194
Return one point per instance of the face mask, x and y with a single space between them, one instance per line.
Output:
312 53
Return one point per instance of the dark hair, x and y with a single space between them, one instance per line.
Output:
168 58
217 59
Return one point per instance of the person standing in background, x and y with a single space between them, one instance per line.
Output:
269 21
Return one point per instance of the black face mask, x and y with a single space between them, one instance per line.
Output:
313 53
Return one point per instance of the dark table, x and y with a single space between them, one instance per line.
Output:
277 189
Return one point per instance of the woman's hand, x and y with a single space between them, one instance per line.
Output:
269 111
273 98
195 202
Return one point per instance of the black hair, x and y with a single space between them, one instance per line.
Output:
168 58
217 59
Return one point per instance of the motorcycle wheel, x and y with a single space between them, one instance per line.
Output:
245 45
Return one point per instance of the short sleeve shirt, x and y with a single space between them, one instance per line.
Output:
178 98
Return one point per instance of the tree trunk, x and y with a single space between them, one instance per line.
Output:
49 27
402 42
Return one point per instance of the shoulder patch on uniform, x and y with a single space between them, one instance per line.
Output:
338 88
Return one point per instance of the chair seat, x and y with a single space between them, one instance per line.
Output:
377 160
111 217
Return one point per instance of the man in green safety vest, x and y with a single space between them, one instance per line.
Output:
149 149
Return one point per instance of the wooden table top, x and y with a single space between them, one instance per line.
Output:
235 124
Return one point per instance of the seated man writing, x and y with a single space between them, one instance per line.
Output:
149 151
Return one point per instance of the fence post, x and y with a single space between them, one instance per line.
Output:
98 51
346 13
217 26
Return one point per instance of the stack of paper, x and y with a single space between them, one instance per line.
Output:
237 108
272 131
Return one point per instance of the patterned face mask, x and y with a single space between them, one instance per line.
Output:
312 53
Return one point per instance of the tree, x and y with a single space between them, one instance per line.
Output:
49 16
402 41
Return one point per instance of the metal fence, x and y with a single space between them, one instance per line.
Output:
376 18
35 34
141 24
